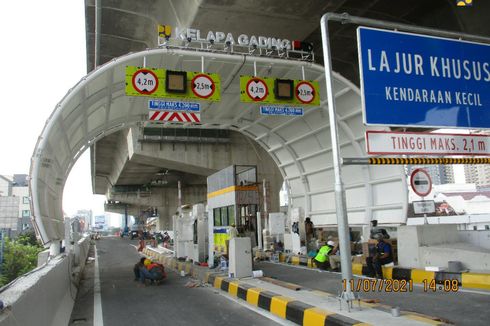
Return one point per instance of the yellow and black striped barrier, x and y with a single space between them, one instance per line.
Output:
284 307
414 160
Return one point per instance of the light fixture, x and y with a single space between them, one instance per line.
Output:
302 46
283 89
175 81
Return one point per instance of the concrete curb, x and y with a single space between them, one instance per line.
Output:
284 307
417 276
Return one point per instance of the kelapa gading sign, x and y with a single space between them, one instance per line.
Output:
423 81
196 35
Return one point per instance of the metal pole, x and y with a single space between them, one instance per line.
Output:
180 197
259 230
2 241
343 224
125 215
355 160
264 186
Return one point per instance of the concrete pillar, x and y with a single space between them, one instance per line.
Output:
54 248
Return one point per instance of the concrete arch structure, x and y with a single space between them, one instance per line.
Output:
300 146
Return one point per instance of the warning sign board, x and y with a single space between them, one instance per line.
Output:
260 89
151 82
174 116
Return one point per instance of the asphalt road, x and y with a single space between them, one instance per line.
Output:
125 303
460 308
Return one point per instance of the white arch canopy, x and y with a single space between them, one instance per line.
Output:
300 146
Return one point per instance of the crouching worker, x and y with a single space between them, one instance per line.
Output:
321 259
152 271
383 257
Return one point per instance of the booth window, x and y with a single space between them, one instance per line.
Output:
231 215
195 232
217 217
224 216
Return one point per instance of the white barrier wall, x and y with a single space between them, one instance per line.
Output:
435 245
46 295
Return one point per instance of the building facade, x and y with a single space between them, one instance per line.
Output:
477 174
15 211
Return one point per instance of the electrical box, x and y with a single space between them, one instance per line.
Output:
277 223
240 257
200 233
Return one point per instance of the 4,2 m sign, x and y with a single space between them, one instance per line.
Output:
145 81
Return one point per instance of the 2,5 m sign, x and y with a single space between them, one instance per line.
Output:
423 81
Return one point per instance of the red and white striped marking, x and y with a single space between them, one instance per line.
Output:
175 116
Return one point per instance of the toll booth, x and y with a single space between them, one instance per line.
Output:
233 198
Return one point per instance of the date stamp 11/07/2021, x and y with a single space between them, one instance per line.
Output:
390 285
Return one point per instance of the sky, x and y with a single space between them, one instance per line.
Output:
42 58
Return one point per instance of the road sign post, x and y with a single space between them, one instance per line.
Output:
340 201
339 190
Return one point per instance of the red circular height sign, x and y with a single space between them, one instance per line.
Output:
305 92
145 81
257 89
203 86
421 182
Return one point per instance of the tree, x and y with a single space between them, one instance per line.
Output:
19 257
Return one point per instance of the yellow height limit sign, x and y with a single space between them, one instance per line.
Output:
262 90
152 82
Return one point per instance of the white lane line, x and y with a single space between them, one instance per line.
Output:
98 321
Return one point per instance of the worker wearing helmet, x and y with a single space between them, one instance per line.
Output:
322 257
150 271
334 257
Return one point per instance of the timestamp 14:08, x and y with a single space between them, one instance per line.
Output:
446 285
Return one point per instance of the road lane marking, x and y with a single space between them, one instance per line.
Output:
98 320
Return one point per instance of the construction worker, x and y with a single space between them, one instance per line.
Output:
321 258
334 258
383 257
